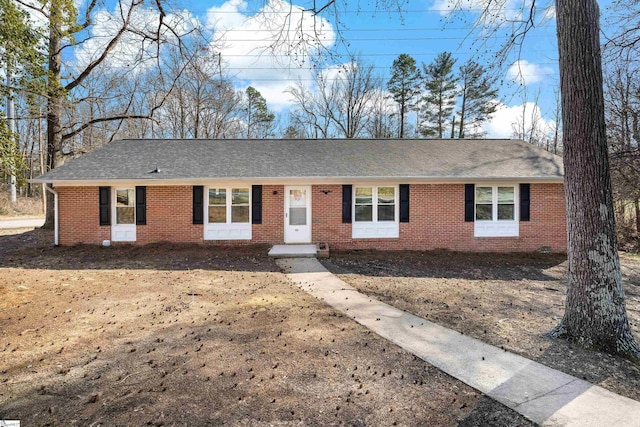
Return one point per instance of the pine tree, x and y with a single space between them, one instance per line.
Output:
11 160
477 103
258 116
439 100
404 85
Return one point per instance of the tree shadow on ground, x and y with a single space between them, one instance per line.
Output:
34 250
446 264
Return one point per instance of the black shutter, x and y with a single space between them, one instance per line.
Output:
141 205
404 202
469 201
256 204
198 204
347 198
105 205
525 202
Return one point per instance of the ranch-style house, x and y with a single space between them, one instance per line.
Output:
393 194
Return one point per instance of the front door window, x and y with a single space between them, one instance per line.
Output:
298 207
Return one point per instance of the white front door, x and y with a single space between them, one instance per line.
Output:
297 214
123 228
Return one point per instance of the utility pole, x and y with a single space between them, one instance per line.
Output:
12 129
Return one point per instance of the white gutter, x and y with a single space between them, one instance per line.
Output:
308 180
56 231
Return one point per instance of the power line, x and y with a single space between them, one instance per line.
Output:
377 30
362 11
351 40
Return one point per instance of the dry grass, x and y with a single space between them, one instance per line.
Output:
24 207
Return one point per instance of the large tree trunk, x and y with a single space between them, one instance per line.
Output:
54 106
595 315
636 205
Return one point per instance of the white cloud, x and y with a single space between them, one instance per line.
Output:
132 49
494 11
524 72
270 50
508 120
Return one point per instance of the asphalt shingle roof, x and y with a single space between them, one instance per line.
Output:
330 158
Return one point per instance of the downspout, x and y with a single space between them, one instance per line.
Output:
56 220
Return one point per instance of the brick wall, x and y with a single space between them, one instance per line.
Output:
272 228
169 216
436 220
79 216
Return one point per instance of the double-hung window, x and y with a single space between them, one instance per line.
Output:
375 211
228 213
125 206
495 211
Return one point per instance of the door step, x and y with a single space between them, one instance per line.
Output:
293 251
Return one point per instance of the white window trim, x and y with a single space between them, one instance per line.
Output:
122 232
497 227
228 230
376 229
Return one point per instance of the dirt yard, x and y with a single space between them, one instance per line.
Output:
509 301
176 335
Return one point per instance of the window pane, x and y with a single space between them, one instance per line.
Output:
217 196
297 216
239 196
364 213
297 198
484 195
364 195
125 197
386 212
217 214
505 195
506 212
386 195
239 213
484 212
125 215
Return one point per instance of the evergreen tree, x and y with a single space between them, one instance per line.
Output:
258 116
11 160
439 100
477 103
21 50
404 85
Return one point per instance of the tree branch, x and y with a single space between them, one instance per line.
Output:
102 120
87 71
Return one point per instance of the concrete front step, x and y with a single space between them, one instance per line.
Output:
293 251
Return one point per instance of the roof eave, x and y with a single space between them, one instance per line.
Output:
297 180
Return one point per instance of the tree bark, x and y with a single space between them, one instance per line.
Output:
54 105
636 205
595 315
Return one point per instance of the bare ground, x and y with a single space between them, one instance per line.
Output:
197 335
509 301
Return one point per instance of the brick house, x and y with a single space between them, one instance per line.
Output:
463 195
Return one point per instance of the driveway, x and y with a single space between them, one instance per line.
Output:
6 224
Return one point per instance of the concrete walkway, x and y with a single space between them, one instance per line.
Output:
21 223
543 395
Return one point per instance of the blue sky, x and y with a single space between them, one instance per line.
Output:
421 29
239 31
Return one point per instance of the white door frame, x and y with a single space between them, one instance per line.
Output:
297 233
122 232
